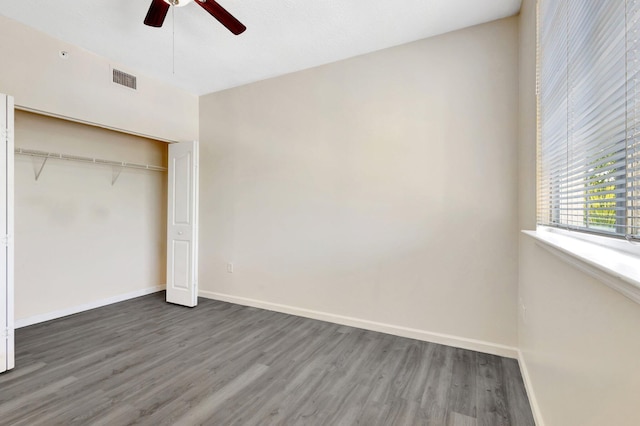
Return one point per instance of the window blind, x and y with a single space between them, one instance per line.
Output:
589 116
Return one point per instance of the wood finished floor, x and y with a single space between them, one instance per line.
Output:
146 362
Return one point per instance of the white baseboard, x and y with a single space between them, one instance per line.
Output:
535 408
412 333
24 322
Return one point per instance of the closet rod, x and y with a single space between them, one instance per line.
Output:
45 155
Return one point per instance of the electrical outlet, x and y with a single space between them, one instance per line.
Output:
230 267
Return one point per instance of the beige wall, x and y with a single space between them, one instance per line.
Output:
578 337
78 239
383 187
81 87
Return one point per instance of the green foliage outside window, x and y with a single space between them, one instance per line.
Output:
601 197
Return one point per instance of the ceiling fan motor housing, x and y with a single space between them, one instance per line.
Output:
178 3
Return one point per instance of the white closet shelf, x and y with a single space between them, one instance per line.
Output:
122 164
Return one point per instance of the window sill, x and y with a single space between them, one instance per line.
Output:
617 265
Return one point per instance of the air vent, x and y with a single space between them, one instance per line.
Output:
124 79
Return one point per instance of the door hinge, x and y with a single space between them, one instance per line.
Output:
5 240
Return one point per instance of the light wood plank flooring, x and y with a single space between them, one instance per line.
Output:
147 362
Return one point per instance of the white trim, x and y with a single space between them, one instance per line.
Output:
533 401
10 231
617 268
24 322
412 333
91 123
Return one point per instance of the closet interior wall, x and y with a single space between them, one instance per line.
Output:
79 238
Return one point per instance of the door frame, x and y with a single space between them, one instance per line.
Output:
7 339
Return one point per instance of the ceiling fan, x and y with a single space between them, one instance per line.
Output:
159 8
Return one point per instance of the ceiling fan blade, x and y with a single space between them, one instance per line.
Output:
156 14
224 17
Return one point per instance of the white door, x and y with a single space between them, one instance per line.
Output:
182 224
7 355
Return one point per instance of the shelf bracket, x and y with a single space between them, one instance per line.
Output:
115 174
39 171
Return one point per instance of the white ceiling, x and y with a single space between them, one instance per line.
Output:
282 35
